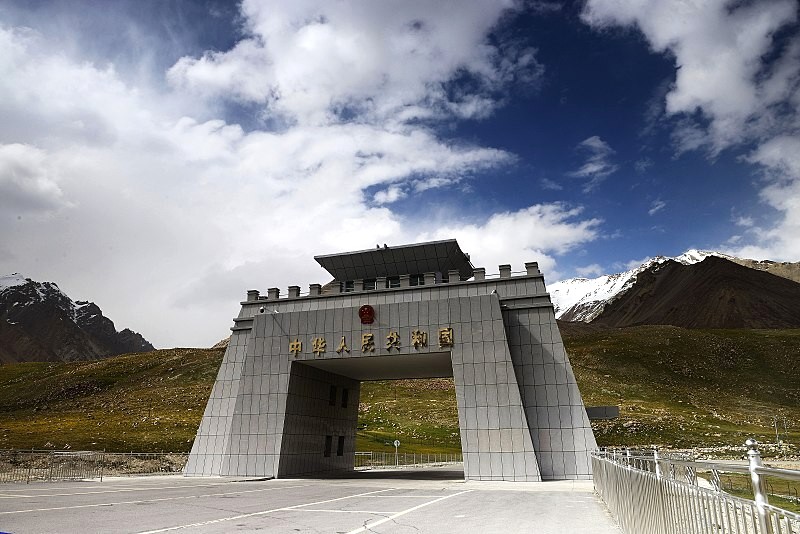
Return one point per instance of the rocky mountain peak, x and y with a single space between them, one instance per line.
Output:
585 299
39 322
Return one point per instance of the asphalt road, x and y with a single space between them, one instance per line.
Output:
379 502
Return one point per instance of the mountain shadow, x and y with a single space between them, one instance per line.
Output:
715 293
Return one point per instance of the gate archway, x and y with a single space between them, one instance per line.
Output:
285 402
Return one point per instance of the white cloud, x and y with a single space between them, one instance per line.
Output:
537 233
719 47
164 210
746 222
598 163
28 185
656 206
550 185
781 159
737 85
590 271
321 62
389 195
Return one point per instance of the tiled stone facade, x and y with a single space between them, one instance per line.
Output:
280 412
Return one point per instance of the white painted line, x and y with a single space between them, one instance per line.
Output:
123 490
131 482
370 526
403 496
48 487
265 512
373 512
183 497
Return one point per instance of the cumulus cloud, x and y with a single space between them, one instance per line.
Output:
781 159
28 184
163 205
598 164
321 62
737 84
537 233
719 48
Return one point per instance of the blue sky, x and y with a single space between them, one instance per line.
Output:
161 157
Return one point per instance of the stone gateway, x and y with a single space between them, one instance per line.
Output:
285 402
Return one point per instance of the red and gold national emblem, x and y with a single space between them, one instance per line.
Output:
367 314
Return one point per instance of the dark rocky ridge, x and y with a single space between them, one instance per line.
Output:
715 293
40 323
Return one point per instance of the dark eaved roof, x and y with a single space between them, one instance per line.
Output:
417 258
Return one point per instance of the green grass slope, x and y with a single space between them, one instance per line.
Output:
151 401
683 388
675 387
422 414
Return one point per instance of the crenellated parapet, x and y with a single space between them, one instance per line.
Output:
406 281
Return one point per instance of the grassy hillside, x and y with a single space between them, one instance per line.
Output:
421 414
141 402
684 388
675 387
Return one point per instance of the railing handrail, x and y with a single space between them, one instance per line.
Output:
649 493
723 467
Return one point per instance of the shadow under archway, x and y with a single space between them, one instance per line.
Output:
430 473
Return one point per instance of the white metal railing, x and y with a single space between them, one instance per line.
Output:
366 460
27 466
32 465
650 494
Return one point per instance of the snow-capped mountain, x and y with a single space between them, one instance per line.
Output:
583 299
38 322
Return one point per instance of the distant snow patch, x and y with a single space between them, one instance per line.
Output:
12 280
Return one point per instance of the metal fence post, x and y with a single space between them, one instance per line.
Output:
30 467
759 492
655 461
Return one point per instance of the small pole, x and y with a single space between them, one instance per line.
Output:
759 492
655 461
30 467
775 422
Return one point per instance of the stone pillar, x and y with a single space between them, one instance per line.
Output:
380 282
453 276
532 267
273 293
358 285
505 271
314 290
479 273
405 280
294 292
430 279
252 294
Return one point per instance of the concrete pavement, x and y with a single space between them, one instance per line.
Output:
395 501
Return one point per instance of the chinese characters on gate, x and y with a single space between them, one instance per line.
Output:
418 340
